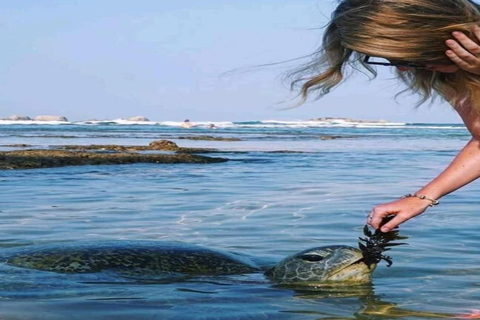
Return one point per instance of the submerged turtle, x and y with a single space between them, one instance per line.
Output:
161 259
166 259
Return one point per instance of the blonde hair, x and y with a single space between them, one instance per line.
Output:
404 30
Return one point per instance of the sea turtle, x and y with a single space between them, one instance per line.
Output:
161 259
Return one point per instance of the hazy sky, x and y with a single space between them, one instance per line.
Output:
167 60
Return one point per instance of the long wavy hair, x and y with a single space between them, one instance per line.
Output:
405 30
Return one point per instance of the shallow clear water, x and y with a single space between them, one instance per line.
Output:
263 204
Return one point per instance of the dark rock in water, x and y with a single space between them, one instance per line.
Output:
325 137
160 145
163 145
57 158
330 137
168 145
104 147
19 145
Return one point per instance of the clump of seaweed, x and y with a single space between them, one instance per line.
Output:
376 243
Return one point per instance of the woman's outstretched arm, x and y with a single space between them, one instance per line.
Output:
464 168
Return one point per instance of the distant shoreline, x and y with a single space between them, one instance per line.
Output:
206 124
54 118
145 119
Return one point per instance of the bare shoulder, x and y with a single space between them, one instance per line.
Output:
470 116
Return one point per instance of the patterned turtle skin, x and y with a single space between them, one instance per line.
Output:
322 265
141 257
155 258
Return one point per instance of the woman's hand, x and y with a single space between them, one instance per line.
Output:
403 209
464 169
464 52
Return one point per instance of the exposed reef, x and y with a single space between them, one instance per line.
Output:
29 159
158 151
159 145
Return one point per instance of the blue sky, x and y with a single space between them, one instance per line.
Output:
172 60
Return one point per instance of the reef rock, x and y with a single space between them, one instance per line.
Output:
29 159
163 145
17 118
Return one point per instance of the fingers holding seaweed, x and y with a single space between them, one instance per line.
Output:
388 216
379 214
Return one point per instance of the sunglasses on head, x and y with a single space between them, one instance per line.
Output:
395 63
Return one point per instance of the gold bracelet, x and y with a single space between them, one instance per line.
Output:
434 202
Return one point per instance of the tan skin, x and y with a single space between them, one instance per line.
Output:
465 167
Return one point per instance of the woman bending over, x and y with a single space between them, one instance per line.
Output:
434 46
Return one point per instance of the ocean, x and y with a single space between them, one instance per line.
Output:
289 186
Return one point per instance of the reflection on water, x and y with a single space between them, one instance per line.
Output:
53 295
370 305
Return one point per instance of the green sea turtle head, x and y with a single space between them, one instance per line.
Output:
321 265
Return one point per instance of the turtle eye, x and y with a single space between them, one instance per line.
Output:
311 257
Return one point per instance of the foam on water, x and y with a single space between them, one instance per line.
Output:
264 124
